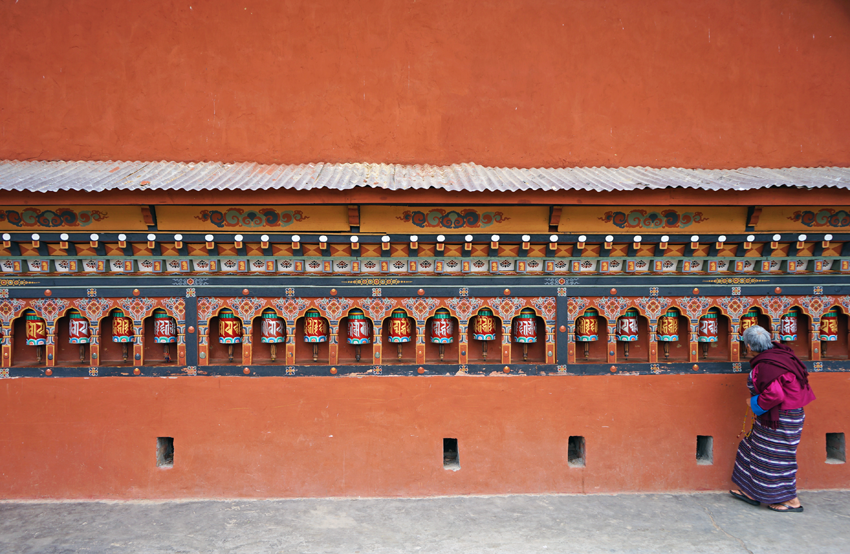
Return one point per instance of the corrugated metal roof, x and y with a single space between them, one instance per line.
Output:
134 176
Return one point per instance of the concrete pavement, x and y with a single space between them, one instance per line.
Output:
639 523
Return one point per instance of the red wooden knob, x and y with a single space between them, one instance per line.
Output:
613 291
420 292
507 369
246 371
421 370
245 292
613 369
48 372
137 371
135 292
48 292
333 371
333 292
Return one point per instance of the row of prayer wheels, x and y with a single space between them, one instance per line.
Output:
79 331
587 328
360 329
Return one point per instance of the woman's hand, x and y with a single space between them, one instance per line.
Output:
748 401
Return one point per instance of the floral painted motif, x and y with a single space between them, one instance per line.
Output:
612 307
420 308
9 309
177 307
49 308
653 307
507 308
334 307
239 217
643 219
694 307
93 308
463 307
61 217
451 219
290 308
826 217
137 307
377 308
206 308
775 306
547 306
816 305
575 306
246 308
735 306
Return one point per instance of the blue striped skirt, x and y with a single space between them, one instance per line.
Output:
766 464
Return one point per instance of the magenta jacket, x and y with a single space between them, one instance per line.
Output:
784 392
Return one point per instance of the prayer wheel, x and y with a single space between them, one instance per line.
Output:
165 332
750 318
401 329
78 332
668 330
627 329
525 330
36 333
587 329
442 330
315 330
828 328
358 330
229 330
788 326
707 331
272 331
484 329
122 331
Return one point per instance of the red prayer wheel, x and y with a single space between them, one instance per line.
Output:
229 330
627 329
707 331
122 327
442 329
315 330
668 330
122 331
359 330
272 331
525 330
750 318
828 328
788 326
78 328
484 329
587 329
78 332
36 332
165 331
36 329
401 329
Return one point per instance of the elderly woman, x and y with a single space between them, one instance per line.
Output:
766 464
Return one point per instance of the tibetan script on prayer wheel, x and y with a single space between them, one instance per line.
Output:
829 326
165 328
627 326
315 328
36 329
708 327
788 326
359 328
525 326
484 326
229 328
78 329
401 330
122 327
442 327
272 329
587 326
668 327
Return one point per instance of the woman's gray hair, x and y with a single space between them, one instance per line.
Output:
757 339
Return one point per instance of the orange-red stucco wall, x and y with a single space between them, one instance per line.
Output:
382 436
703 83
